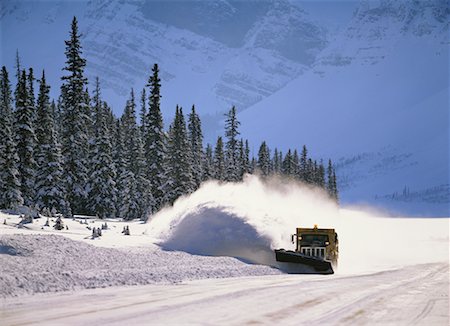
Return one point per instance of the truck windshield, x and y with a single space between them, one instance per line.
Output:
313 239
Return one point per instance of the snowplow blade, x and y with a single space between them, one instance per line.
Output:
320 266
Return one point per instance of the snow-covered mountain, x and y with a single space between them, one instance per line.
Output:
377 96
211 53
374 94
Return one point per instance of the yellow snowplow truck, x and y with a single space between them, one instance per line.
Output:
316 248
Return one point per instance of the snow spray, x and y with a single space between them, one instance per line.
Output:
248 220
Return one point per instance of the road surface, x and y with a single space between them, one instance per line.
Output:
413 295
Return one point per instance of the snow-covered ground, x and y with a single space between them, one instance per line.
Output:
36 260
208 259
416 295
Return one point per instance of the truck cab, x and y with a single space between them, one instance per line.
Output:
319 243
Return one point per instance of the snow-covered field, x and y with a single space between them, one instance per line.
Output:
391 270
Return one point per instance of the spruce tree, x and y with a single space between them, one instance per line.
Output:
135 200
50 191
103 187
10 194
110 121
146 201
58 118
303 164
254 165
196 145
30 92
309 175
247 164
219 160
335 189
316 173
232 150
143 113
296 163
321 175
208 164
180 175
264 159
276 162
330 181
76 123
25 140
155 141
241 160
122 180
288 164
18 76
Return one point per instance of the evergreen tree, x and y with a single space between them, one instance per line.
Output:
58 118
146 201
304 164
179 160
280 160
241 160
18 76
30 92
103 187
208 164
288 164
196 145
330 183
296 162
232 150
154 141
309 177
25 140
314 174
122 180
110 121
219 160
50 191
10 194
137 199
335 189
276 162
321 175
128 207
254 165
143 113
76 123
247 165
264 159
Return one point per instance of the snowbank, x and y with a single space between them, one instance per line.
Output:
52 263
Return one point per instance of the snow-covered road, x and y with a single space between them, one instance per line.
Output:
413 295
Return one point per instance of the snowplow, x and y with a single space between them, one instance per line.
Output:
316 251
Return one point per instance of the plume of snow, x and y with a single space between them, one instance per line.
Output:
248 220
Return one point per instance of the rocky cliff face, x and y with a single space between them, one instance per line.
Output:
212 53
216 53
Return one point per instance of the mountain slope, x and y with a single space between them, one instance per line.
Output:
378 97
211 53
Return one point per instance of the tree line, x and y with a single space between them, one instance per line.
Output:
73 156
